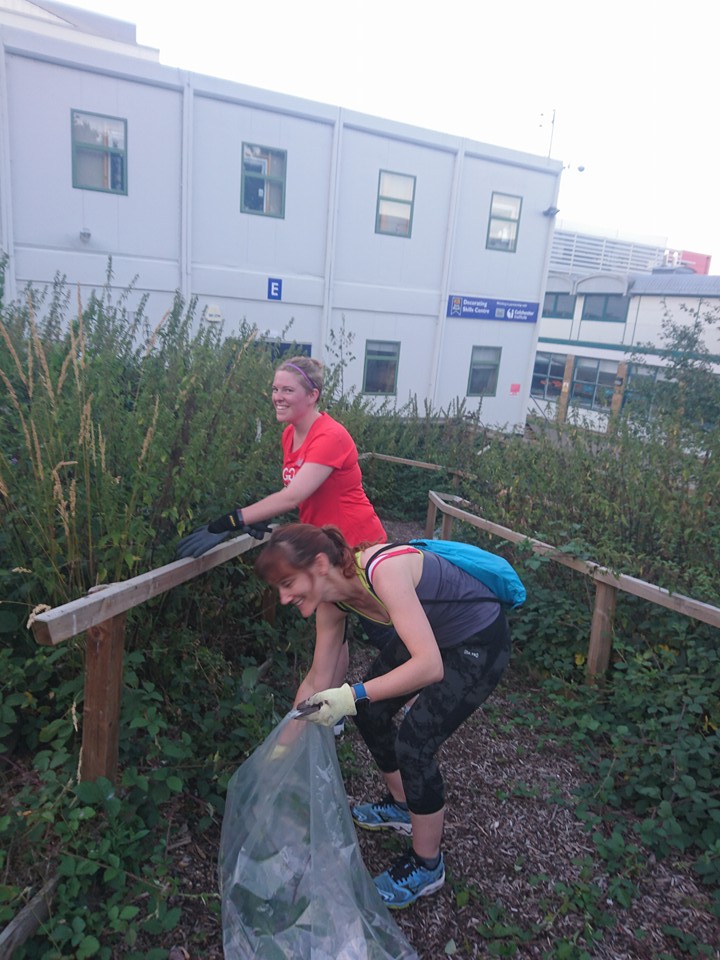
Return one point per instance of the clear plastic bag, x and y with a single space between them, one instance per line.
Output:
292 881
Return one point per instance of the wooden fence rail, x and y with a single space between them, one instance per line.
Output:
607 583
101 614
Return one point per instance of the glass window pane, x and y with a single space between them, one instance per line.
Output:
505 206
483 381
586 370
594 307
553 387
502 234
393 217
484 367
616 308
117 172
583 393
557 367
381 364
277 164
565 304
561 305
396 185
275 198
89 169
263 180
102 131
607 372
396 193
99 161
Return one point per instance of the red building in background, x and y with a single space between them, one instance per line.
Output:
700 262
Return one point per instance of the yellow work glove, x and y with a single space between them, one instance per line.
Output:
334 703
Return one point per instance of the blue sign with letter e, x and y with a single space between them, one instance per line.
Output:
274 288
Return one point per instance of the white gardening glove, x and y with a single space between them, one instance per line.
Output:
333 704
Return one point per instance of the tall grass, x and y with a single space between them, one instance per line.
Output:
117 436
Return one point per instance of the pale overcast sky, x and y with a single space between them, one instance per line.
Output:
633 85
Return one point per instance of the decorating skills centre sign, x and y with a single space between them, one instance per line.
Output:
483 308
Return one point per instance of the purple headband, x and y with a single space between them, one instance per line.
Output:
313 386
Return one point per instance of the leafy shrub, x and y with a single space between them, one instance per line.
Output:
116 437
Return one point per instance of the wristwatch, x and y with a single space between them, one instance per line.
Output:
360 693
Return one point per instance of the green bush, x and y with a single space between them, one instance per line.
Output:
118 436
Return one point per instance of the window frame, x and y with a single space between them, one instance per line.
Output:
494 366
264 156
496 218
112 152
386 198
554 312
548 381
284 349
580 387
604 314
369 358
642 387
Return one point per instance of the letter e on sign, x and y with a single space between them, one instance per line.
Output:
274 288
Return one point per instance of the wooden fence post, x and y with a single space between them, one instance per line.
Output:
601 629
431 520
446 527
103 691
564 399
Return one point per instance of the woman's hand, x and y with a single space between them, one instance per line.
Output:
334 704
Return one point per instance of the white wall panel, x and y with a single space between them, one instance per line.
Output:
47 210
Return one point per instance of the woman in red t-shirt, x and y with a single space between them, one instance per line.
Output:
321 473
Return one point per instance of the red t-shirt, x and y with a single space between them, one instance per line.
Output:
340 500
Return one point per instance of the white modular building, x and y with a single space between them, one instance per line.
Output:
301 218
601 331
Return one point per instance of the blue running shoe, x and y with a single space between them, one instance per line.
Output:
386 815
407 879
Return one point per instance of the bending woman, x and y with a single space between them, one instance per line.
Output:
450 647
321 474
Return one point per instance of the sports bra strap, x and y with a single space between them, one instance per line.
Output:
398 550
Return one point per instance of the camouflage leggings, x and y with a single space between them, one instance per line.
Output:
472 671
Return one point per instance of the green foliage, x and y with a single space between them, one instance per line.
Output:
116 437
189 715
684 405
648 735
115 434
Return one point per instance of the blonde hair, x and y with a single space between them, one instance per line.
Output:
310 372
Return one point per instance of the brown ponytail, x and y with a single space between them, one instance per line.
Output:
295 547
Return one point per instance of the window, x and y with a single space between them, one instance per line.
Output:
548 376
381 366
605 306
396 198
593 383
647 388
99 152
559 305
484 367
263 181
283 349
504 222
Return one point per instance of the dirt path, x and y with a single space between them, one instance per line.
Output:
524 878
